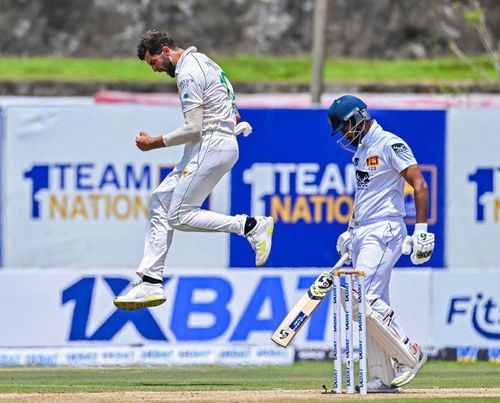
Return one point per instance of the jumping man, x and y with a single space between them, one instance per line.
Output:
210 151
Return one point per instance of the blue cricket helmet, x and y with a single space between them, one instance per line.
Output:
343 109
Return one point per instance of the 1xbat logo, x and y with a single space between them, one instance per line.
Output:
189 311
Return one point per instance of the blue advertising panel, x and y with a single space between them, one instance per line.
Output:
291 168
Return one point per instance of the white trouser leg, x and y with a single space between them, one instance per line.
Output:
214 158
159 233
376 248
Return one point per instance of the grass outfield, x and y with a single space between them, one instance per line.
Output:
252 69
300 376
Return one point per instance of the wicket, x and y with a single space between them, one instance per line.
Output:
337 338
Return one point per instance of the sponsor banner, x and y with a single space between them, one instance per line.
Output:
225 307
473 188
466 308
77 188
292 169
313 354
146 355
461 354
69 308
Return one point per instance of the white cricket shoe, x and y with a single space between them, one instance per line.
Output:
405 374
261 238
377 386
141 295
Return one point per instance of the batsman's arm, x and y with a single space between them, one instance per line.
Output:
413 175
421 244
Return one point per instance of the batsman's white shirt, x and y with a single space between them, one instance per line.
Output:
175 203
378 161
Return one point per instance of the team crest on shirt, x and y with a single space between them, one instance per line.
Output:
362 179
372 161
399 148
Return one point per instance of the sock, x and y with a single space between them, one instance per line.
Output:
250 224
151 280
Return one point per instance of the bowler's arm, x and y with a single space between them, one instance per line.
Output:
189 131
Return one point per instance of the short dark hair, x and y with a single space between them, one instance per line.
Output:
153 41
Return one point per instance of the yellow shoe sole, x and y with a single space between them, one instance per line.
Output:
133 305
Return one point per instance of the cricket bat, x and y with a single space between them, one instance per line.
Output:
306 305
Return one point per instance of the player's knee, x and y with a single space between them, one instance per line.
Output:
175 220
178 218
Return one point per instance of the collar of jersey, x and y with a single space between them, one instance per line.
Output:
371 136
189 50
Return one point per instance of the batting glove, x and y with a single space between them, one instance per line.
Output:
344 242
420 244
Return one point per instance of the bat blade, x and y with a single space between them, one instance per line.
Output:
302 310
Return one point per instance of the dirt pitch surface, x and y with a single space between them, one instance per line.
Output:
241 396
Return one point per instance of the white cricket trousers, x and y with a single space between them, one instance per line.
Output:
376 247
175 203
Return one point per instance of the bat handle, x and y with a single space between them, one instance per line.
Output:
341 262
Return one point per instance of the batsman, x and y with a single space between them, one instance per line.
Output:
377 236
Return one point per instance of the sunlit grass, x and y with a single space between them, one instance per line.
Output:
300 376
250 69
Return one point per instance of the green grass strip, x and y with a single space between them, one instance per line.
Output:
300 376
250 69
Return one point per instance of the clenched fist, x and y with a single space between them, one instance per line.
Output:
145 142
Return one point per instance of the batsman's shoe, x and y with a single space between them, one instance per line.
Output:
141 295
377 386
405 374
261 239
